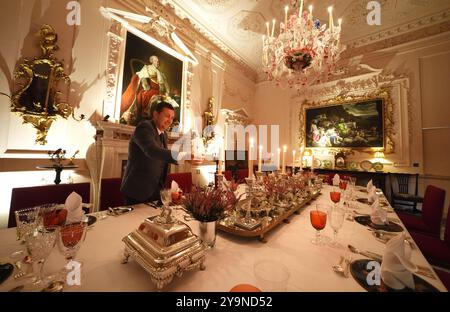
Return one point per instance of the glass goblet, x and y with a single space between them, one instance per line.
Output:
40 243
318 218
335 196
53 215
336 214
70 238
26 220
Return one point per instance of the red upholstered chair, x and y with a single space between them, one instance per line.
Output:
444 277
184 180
241 175
429 222
24 197
433 248
110 195
228 175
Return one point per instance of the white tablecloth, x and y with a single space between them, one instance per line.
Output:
229 263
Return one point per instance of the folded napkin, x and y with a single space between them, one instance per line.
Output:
396 267
369 186
372 195
74 208
378 214
336 179
174 188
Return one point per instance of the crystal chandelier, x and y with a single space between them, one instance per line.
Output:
304 53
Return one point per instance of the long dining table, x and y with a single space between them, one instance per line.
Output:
230 262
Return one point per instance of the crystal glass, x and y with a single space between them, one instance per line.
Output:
318 218
336 216
26 220
271 275
53 215
40 243
70 238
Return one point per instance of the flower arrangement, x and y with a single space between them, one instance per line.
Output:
298 59
209 204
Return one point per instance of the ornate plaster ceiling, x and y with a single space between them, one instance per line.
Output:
240 24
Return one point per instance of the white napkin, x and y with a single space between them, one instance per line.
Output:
73 205
378 214
336 179
396 267
372 196
369 186
174 188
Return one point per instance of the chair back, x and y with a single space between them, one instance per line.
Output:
110 195
241 175
402 182
24 197
433 204
184 180
447 228
228 175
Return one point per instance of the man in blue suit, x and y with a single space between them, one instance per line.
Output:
148 157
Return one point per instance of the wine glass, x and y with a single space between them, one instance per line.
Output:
53 215
343 185
318 219
337 215
26 220
40 243
335 196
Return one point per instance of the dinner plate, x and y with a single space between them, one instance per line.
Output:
366 165
388 227
353 165
6 269
90 220
378 166
327 164
359 270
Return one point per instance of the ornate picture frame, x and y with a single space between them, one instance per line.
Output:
165 80
381 95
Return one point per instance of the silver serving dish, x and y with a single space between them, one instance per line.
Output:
164 247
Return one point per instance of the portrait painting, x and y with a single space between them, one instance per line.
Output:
349 125
150 75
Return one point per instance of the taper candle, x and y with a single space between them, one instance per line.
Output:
250 159
286 8
283 166
278 159
293 161
260 158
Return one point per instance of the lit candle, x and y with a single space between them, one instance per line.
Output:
301 158
273 27
301 9
340 22
250 159
283 167
278 159
330 17
264 38
312 162
310 11
260 158
293 161
267 26
285 16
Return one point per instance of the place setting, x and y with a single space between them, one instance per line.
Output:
391 272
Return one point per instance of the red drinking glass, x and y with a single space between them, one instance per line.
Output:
335 196
318 218
343 185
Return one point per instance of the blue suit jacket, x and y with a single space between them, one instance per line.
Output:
148 160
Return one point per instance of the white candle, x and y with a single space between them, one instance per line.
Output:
286 8
301 9
260 158
330 18
293 161
312 163
273 27
267 26
301 158
283 166
310 11
278 159
340 22
250 159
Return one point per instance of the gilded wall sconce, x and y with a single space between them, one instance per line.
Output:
38 101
